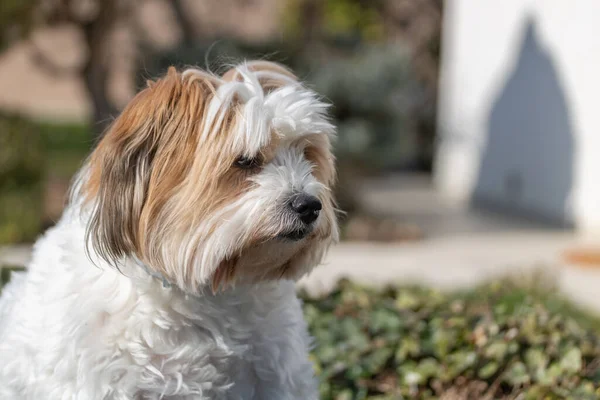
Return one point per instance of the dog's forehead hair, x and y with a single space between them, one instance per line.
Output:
271 107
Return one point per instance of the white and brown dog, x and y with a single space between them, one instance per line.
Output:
171 273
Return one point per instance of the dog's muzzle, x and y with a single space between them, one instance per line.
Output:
305 209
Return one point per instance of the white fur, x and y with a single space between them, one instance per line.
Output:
292 110
71 328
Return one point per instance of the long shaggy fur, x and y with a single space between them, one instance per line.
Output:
170 274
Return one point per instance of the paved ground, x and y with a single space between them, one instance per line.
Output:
461 262
461 249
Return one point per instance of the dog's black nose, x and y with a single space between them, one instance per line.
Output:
307 207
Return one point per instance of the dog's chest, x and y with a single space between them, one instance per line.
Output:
217 348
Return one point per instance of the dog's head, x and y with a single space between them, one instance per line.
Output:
214 180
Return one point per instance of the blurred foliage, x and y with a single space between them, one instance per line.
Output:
66 145
65 137
344 18
21 159
373 94
501 341
374 97
21 175
30 154
16 17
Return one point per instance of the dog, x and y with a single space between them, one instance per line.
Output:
171 273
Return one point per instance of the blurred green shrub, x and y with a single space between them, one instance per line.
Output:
501 341
31 155
373 94
15 20
66 137
20 152
66 145
21 173
334 19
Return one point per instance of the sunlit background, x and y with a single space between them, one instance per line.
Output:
467 151
68 67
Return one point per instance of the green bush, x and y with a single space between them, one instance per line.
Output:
373 94
21 215
21 175
21 155
66 137
501 341
30 153
66 145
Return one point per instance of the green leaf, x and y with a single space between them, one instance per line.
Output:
408 347
517 375
496 350
488 370
429 368
460 360
536 361
571 361
407 301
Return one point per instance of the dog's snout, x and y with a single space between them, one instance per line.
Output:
307 207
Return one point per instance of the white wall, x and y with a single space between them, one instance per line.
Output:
519 111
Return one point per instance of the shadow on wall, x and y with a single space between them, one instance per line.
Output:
527 166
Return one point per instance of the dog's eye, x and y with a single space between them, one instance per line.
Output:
245 162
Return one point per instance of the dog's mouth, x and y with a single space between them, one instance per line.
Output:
267 260
296 234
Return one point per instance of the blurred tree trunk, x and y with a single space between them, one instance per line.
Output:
311 18
104 110
188 28
418 24
96 70
97 27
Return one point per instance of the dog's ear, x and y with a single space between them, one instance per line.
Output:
118 182
120 168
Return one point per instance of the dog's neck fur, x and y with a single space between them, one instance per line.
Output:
76 217
152 272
